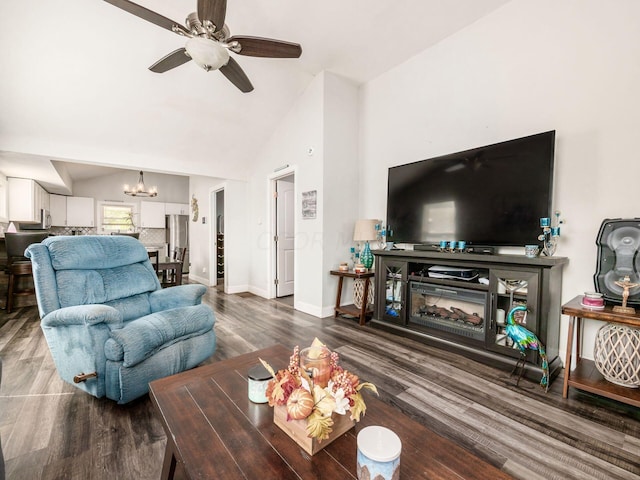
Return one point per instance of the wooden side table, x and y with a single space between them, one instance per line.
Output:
352 310
586 376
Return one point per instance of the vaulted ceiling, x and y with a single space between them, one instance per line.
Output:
75 84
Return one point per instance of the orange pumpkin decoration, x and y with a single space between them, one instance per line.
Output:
300 404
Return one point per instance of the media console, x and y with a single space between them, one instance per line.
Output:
420 294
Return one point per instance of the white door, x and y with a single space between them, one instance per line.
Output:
285 201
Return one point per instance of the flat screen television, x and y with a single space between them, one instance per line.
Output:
488 196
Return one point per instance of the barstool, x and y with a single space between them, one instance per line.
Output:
18 266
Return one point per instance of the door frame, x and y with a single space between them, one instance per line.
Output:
271 188
213 253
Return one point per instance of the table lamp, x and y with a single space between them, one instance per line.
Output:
365 231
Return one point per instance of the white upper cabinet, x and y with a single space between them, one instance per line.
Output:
25 198
176 208
81 212
58 210
152 214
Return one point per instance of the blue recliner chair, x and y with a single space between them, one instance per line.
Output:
110 326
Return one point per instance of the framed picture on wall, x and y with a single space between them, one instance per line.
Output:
309 204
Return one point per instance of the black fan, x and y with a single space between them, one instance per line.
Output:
210 42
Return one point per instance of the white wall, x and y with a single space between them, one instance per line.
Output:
200 234
318 140
572 66
237 260
171 188
341 181
299 131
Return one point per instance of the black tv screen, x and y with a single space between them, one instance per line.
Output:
493 195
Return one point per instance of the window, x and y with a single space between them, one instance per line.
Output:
117 218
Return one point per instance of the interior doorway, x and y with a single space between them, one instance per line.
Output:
220 263
284 238
217 231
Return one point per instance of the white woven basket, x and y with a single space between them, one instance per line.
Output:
617 354
358 292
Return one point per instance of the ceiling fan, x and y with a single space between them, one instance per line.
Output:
210 42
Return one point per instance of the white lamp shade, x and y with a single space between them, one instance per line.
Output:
208 54
365 230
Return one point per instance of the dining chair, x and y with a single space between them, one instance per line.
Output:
20 282
153 256
170 277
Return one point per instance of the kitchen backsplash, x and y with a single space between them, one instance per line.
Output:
148 236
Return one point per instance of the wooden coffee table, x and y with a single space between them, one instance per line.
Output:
214 431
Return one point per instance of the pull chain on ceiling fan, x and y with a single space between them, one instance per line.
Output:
210 42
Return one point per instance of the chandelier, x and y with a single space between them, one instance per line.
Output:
139 190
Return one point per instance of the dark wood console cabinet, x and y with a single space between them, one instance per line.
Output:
410 301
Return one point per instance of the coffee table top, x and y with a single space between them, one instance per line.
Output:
216 432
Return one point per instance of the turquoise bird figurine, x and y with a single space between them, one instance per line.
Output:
525 339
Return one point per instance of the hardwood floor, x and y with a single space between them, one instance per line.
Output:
50 430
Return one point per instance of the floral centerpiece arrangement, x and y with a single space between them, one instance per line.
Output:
314 387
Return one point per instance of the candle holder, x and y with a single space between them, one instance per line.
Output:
316 361
550 233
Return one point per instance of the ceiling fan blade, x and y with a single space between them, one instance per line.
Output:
145 14
236 75
213 10
173 60
264 47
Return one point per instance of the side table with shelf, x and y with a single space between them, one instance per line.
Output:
362 312
586 376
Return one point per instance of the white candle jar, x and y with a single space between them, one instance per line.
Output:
378 454
258 379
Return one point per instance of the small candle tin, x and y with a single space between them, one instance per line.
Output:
359 268
378 453
258 379
593 300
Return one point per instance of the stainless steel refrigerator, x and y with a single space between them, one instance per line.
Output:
177 231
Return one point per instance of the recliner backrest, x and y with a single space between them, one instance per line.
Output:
81 270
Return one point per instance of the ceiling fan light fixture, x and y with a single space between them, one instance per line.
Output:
139 190
207 53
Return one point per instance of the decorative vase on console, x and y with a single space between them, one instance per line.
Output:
366 257
365 231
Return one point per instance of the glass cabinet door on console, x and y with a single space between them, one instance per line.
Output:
509 288
392 299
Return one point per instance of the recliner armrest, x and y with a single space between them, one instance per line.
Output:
141 338
178 296
83 315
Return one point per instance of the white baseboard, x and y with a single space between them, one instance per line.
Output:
259 292
202 280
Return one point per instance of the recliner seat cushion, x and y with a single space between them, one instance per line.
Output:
144 336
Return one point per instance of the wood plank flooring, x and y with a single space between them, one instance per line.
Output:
50 430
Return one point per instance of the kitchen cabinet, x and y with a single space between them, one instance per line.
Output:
58 210
25 200
152 214
176 209
72 211
80 212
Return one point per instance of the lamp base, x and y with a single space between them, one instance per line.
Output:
366 257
